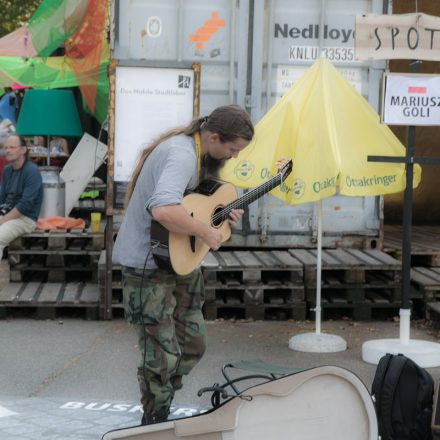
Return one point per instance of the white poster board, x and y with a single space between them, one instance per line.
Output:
87 157
411 99
148 102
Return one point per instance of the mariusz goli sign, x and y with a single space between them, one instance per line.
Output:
411 99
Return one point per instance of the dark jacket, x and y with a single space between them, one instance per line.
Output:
23 189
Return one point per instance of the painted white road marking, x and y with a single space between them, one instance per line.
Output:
4 412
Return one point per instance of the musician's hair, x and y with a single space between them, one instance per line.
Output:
230 122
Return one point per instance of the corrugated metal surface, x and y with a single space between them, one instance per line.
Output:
213 33
295 35
251 52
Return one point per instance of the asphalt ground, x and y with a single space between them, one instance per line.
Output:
76 379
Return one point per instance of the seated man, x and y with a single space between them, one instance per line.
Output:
21 192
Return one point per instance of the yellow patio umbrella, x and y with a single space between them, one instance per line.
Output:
329 130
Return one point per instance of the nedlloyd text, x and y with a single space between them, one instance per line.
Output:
313 31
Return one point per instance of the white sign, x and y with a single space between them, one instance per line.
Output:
87 157
148 102
411 99
403 36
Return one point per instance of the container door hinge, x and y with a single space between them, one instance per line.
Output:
248 101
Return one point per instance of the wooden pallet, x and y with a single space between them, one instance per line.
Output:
355 293
426 282
254 282
53 265
73 239
45 298
252 267
425 244
258 294
349 266
55 256
433 313
218 310
373 306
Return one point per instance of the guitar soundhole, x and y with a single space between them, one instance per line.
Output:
217 217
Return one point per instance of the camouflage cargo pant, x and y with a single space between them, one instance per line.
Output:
166 312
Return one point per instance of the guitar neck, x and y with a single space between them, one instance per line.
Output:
252 195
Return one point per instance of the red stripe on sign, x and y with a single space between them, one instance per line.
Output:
416 89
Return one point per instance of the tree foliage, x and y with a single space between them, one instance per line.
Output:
15 13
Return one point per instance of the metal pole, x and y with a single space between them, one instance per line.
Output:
405 311
407 219
318 271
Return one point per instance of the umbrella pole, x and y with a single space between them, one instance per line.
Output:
318 272
405 310
318 342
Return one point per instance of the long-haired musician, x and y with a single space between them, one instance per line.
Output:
164 308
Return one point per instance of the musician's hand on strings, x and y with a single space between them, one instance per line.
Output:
235 216
281 162
212 237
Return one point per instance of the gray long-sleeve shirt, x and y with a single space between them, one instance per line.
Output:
167 173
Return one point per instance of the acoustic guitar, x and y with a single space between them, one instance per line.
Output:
211 203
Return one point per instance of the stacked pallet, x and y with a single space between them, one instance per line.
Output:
433 313
425 263
46 299
253 284
425 283
53 270
425 244
274 284
356 282
55 256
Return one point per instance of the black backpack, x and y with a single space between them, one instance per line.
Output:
403 395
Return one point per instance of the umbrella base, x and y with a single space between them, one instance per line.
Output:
317 343
426 354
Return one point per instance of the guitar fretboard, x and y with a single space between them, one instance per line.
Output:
246 199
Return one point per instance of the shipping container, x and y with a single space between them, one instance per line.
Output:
253 53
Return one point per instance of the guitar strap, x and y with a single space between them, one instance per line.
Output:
197 142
